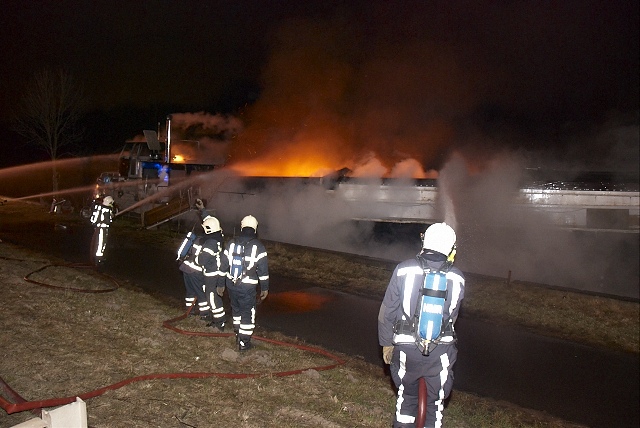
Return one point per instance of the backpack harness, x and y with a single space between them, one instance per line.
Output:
238 266
428 323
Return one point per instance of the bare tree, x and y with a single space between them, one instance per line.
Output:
48 113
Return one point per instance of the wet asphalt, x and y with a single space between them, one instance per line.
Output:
594 387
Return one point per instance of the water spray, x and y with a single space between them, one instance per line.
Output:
56 193
60 163
176 186
446 201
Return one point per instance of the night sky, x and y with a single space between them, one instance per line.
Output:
399 78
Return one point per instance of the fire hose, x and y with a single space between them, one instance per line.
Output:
19 404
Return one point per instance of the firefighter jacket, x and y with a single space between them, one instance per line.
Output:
190 263
254 261
193 245
101 215
403 291
213 261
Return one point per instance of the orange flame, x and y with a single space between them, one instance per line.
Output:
298 160
316 159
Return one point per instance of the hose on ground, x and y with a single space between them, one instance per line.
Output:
75 289
19 404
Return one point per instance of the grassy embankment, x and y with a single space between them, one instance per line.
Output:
579 317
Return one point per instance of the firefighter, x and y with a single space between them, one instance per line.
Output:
248 268
102 215
408 364
189 254
214 268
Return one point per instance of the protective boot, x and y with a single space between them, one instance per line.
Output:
218 327
244 345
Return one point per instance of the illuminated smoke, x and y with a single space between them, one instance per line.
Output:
497 237
408 110
224 127
402 106
410 168
200 138
346 105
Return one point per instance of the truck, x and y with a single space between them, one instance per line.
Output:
155 175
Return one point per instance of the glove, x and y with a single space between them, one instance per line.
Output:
220 291
263 294
199 204
387 353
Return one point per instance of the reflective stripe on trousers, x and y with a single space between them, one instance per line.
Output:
408 365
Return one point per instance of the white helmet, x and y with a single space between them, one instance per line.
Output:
211 225
107 201
249 221
439 237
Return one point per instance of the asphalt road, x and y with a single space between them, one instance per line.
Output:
594 387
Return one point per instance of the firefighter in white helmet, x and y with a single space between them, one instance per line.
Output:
204 268
410 357
102 215
248 269
214 268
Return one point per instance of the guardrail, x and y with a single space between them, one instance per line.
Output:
578 209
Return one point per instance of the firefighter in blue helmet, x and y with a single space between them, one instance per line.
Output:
204 270
410 356
102 214
248 269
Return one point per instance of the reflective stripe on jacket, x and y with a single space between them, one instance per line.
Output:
214 263
190 263
256 266
101 216
401 296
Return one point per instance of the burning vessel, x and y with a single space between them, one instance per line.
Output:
151 170
159 176
534 222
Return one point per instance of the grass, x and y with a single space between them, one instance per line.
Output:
59 343
570 315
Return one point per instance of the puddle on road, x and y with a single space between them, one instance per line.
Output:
296 302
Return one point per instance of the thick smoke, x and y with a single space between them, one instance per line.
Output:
203 138
496 235
500 237
223 127
397 88
200 138
348 106
406 103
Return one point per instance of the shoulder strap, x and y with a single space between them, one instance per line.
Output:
442 269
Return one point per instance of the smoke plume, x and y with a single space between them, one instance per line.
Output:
400 100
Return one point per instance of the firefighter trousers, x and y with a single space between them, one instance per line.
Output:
194 292
216 306
408 365
99 245
243 310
